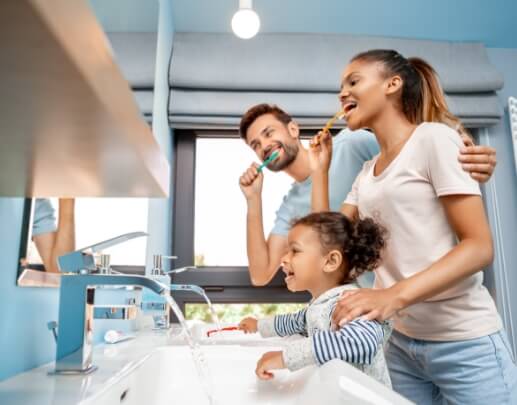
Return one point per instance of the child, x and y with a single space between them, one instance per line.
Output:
327 252
448 345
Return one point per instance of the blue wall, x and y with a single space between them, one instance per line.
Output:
491 22
25 341
127 15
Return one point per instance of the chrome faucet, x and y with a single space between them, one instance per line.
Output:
76 299
158 266
82 260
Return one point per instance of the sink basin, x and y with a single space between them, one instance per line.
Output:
168 376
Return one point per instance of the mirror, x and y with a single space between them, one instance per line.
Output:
53 227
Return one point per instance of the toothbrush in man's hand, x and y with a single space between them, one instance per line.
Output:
273 156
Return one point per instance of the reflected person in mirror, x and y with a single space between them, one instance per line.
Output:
53 240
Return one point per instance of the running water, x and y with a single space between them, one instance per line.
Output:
211 308
197 355
199 291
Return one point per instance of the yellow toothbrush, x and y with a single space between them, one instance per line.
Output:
316 140
330 122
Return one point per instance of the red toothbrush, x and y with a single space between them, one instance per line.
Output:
208 333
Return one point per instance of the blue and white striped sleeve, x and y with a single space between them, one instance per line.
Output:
356 342
284 325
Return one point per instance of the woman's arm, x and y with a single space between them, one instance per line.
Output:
350 211
474 251
320 192
320 154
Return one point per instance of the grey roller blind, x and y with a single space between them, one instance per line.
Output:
135 54
214 78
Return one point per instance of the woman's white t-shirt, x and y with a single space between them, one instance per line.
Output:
404 198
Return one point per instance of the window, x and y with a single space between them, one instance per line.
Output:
220 207
210 224
233 313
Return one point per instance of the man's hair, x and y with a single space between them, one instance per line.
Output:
259 110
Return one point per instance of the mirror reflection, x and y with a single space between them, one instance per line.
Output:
55 226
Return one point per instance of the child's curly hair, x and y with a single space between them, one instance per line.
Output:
361 241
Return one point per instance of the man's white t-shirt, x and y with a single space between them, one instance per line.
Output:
404 199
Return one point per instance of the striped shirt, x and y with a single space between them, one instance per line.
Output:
358 342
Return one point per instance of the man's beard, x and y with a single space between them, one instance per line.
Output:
290 153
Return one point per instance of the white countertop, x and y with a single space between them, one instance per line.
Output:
113 360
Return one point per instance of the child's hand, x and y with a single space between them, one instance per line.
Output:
269 361
248 325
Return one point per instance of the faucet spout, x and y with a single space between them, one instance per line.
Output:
75 339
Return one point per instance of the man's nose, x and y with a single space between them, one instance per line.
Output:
268 145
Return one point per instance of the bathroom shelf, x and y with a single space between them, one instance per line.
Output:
69 124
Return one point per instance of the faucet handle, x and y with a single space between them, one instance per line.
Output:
180 270
158 263
104 265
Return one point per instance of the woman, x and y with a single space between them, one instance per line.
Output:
448 345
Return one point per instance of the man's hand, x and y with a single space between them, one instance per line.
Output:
251 182
248 325
269 361
320 152
478 161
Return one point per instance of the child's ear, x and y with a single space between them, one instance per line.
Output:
333 261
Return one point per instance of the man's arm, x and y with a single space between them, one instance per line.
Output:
51 245
263 256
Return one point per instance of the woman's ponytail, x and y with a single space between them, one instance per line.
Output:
433 105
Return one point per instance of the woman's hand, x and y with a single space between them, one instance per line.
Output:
269 361
248 325
367 303
320 152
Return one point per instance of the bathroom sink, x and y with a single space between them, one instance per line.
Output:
168 376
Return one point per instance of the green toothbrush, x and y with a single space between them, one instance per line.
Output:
273 156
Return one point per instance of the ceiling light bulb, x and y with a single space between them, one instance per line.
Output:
245 22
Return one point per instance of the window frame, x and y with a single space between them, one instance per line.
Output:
223 284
